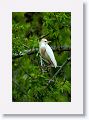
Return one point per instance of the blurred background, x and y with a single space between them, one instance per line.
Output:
29 83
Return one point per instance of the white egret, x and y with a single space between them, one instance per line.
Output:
47 53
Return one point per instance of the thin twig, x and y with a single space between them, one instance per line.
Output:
44 36
61 67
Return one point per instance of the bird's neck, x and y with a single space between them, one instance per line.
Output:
43 44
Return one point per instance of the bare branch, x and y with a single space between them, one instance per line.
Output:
61 67
44 36
35 50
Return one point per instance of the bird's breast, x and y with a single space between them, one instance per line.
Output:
42 51
44 54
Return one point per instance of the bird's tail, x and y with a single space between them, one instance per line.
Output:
55 64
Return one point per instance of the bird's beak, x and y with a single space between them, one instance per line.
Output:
48 41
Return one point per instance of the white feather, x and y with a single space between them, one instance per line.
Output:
48 53
51 54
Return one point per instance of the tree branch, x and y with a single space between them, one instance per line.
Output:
51 81
61 67
43 36
35 50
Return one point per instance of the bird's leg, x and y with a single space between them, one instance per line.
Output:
41 61
42 64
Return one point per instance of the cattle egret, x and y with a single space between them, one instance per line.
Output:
47 53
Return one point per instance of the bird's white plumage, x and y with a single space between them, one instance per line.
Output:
51 55
46 52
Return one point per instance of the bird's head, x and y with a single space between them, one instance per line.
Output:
45 41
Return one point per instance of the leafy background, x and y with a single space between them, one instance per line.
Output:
29 82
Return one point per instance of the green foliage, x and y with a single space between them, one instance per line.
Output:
29 83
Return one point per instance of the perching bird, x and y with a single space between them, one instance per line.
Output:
47 53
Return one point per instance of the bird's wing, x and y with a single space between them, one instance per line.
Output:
51 55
